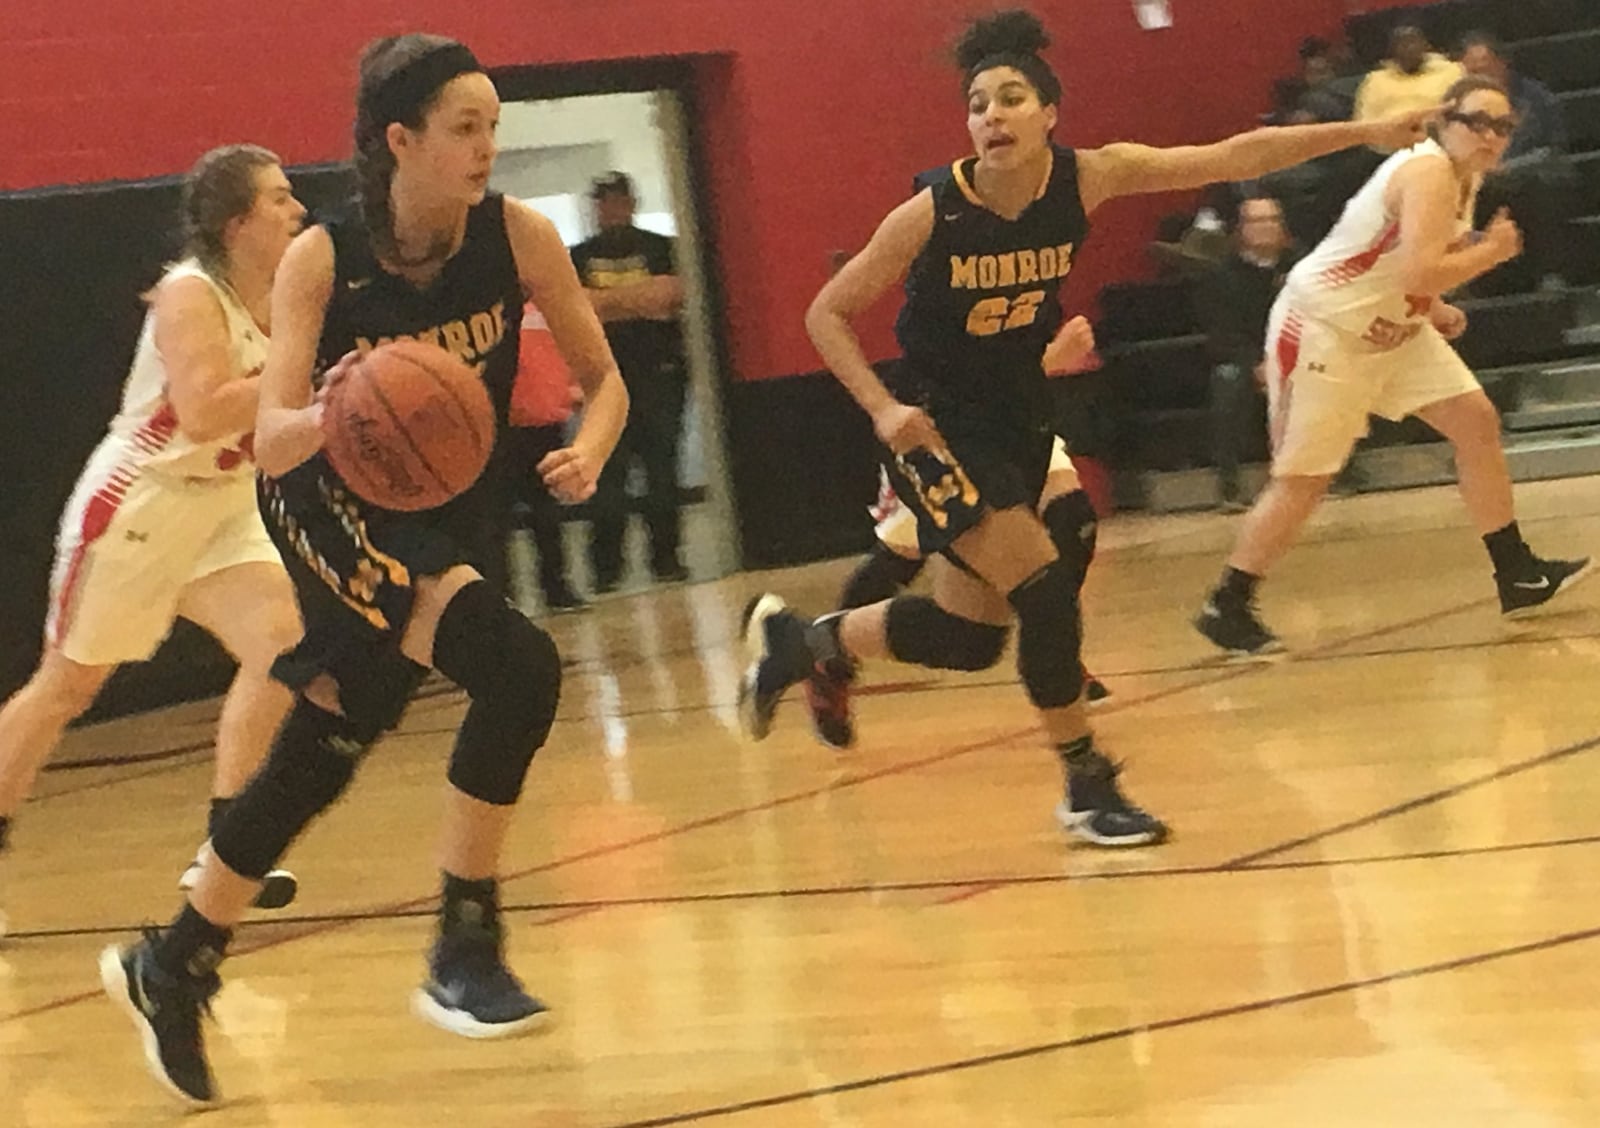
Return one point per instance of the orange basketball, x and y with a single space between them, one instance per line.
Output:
409 427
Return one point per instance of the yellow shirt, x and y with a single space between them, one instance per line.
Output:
1389 90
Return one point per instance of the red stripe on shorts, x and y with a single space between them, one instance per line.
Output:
149 439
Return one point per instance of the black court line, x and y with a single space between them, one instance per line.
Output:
965 887
1439 796
1227 673
1118 1034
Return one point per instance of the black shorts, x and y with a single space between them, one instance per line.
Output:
950 491
355 568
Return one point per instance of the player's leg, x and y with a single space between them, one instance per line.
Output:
250 609
1318 399
1472 426
1074 526
512 673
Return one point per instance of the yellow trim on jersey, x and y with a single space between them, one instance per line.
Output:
966 189
971 193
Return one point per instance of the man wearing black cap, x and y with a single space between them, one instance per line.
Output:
633 284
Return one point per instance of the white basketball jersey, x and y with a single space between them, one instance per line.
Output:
145 433
1353 279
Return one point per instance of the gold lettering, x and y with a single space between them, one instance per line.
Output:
964 272
1008 270
1027 267
1047 264
456 339
483 334
988 272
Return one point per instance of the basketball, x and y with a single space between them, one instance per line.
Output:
409 426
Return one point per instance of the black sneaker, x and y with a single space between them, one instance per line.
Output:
775 643
828 686
471 992
1232 624
278 889
1095 809
1524 594
1094 690
167 1010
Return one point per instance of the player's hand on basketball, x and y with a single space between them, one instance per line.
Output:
1451 321
1404 130
333 376
571 473
903 428
1504 236
1064 356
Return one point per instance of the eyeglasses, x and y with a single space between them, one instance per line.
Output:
1482 123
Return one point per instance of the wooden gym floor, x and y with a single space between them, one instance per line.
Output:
1379 907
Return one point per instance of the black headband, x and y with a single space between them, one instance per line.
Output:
1033 68
400 96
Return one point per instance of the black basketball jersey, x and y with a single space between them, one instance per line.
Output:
982 300
472 309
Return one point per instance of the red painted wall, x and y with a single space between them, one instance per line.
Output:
818 112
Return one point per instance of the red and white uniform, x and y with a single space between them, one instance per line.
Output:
154 510
1346 341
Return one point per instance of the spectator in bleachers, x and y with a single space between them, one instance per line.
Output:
1233 302
1327 90
1536 180
1413 77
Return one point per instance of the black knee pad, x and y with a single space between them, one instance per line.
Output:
880 576
310 765
923 633
1074 527
512 672
1049 645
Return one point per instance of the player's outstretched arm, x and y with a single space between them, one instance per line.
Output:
1128 169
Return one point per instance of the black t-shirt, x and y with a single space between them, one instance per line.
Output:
624 256
983 302
1233 302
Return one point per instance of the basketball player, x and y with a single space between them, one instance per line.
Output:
1362 327
896 559
386 595
966 426
163 520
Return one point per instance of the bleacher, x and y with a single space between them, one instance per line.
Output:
1538 354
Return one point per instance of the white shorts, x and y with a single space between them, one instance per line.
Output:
1323 382
125 554
897 525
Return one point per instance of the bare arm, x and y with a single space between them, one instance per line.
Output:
210 397
288 423
658 299
860 283
550 279
1127 169
1423 194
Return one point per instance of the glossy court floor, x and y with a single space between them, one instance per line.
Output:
1379 907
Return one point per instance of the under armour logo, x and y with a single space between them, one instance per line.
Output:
135 537
1316 367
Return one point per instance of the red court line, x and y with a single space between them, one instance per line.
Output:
1228 673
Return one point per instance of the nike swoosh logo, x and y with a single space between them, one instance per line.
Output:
1544 582
358 283
957 215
